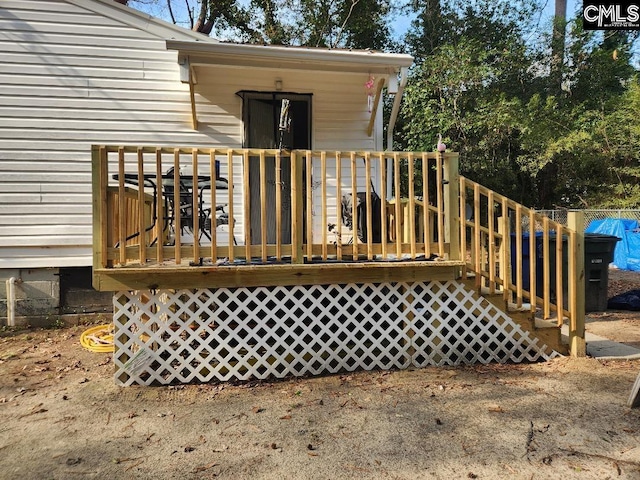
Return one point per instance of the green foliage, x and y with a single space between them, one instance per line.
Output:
548 117
496 99
358 24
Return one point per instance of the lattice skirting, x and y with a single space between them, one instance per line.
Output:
166 337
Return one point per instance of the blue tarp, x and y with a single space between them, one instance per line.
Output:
626 255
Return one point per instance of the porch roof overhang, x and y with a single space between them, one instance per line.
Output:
270 56
192 54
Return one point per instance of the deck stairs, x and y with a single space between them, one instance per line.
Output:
546 331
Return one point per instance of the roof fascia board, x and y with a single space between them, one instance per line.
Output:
289 57
142 21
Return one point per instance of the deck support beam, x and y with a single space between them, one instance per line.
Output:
181 277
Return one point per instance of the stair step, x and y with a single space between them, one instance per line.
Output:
547 331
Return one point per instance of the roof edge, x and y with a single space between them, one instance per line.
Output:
284 53
143 21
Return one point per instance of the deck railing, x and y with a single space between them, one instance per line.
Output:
222 206
526 257
271 206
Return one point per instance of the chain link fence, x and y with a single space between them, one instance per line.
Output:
560 216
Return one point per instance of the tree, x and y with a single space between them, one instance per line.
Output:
358 24
468 86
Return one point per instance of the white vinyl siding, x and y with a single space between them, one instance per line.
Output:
71 78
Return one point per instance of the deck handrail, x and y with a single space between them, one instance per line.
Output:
497 229
307 224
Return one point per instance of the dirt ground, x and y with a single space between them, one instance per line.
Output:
619 325
61 417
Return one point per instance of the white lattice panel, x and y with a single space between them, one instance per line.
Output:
198 336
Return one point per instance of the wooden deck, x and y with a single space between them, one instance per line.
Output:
310 230
272 218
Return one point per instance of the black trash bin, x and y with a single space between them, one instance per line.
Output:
598 254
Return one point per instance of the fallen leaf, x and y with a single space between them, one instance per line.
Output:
285 417
257 409
496 409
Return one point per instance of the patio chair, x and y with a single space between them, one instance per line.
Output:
185 207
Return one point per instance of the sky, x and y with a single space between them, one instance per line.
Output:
399 24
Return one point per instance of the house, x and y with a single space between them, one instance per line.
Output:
75 73
243 212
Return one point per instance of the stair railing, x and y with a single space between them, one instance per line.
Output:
534 262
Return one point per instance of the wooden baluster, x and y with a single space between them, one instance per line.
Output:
383 206
122 214
142 227
533 259
368 206
297 211
546 291
412 205
338 206
463 226
426 212
398 205
278 188
323 193
263 206
477 235
518 245
492 242
159 229
195 205
559 279
505 252
230 206
177 221
354 203
309 168
214 202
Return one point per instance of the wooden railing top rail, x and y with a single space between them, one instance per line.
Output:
267 151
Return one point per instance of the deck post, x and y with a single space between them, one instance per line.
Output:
99 206
297 210
451 206
577 344
95 187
